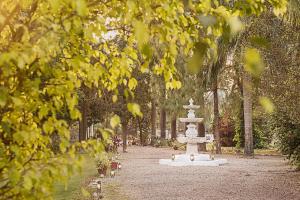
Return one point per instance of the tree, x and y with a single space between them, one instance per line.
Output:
162 122
173 127
247 99
224 48
153 117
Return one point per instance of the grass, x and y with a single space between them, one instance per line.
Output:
263 152
73 190
112 192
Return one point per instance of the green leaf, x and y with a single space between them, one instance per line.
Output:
3 96
115 121
195 63
14 175
75 114
147 50
81 7
17 101
106 133
27 182
260 41
141 33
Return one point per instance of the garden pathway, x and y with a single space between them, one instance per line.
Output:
261 178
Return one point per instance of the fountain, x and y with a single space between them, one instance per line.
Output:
192 156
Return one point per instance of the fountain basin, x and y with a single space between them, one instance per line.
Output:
191 120
199 160
193 107
193 140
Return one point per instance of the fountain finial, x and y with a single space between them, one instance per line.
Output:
191 102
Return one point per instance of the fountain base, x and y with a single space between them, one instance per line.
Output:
199 160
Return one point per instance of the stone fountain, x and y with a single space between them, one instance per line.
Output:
192 156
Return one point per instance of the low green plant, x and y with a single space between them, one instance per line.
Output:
102 161
287 132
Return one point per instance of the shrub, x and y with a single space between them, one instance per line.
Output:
102 162
288 133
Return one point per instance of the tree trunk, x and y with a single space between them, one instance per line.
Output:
124 135
201 127
201 133
216 117
248 150
83 125
153 118
163 121
141 132
173 128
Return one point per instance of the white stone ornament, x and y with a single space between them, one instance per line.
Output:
192 156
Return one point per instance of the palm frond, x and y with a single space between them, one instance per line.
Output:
292 15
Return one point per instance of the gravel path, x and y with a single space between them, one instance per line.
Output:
264 177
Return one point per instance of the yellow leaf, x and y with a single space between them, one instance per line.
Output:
253 62
235 25
132 83
134 109
195 63
114 98
281 8
141 33
115 121
267 104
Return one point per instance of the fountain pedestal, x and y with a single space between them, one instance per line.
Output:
192 156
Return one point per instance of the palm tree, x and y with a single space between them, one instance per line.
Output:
163 115
153 117
247 97
213 70
293 13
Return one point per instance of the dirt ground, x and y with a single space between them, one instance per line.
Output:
142 178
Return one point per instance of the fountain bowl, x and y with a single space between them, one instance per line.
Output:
199 160
193 107
191 120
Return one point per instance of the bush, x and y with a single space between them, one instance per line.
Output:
288 133
261 136
159 142
102 161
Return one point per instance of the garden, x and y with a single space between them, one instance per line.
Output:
139 99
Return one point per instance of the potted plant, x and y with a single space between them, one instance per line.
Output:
102 163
